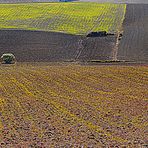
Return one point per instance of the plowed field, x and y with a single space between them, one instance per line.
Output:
37 46
134 44
73 106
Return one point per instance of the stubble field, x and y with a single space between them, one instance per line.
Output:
73 106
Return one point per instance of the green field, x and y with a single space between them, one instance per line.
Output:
73 17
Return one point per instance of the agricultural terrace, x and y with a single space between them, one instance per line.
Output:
67 106
72 17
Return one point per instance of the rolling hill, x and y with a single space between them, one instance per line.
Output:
46 102
40 46
26 1
68 106
49 32
134 44
119 1
100 1
72 17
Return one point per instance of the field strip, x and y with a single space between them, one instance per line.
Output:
43 101
133 45
72 17
63 110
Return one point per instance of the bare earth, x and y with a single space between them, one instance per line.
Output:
73 106
48 105
40 46
134 44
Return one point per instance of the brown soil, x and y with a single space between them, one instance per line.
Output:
39 46
73 106
134 44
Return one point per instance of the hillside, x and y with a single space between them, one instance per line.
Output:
72 17
47 46
26 1
119 1
38 46
134 44
100 1
64 106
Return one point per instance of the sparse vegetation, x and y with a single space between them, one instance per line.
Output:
80 105
72 17
99 104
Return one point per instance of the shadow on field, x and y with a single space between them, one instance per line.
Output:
40 46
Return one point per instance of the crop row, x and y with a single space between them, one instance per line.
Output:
73 17
44 104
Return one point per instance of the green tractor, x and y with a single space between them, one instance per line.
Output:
8 58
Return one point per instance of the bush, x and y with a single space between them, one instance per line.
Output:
8 58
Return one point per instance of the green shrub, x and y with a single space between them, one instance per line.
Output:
8 58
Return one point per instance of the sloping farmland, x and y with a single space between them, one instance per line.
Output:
73 106
134 44
119 1
100 1
26 1
32 1
38 46
72 17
